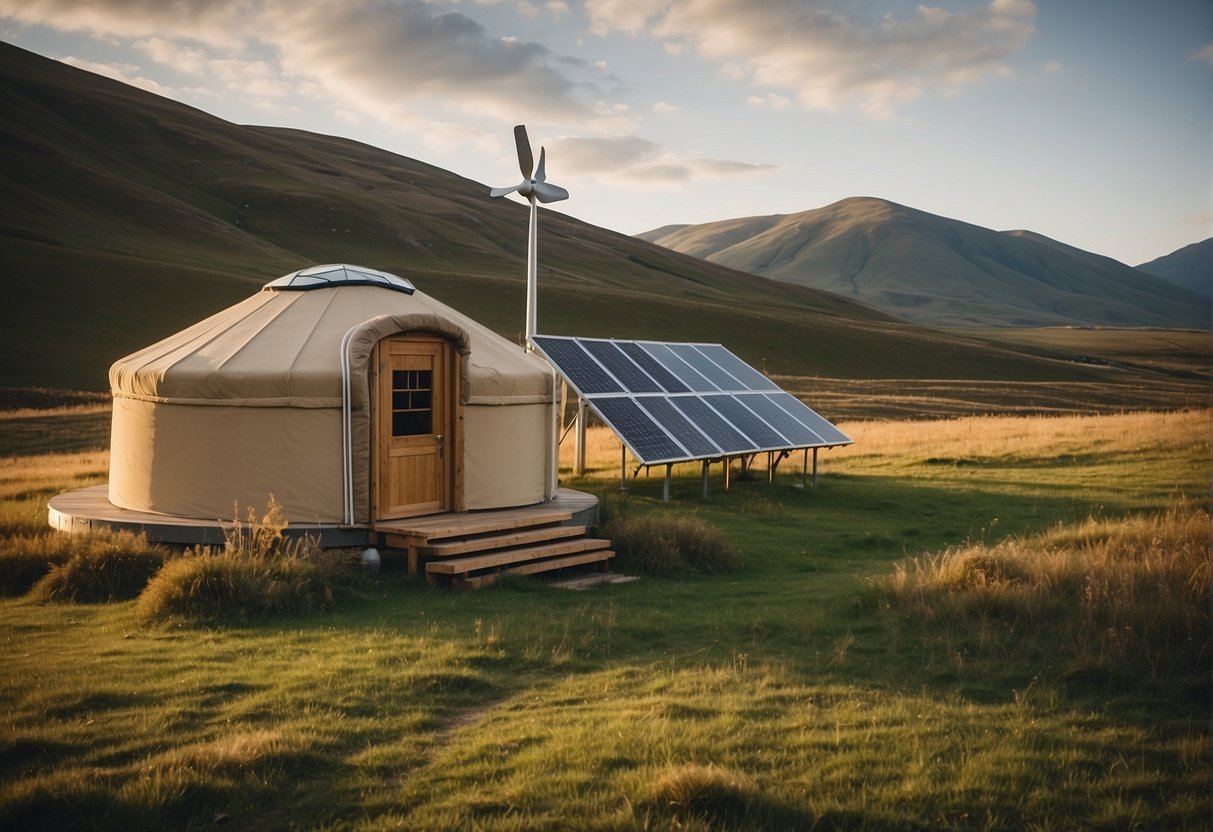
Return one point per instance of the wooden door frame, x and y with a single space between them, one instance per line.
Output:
453 456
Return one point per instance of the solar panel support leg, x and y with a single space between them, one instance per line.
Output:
579 447
623 467
726 473
704 478
804 470
815 467
665 486
770 466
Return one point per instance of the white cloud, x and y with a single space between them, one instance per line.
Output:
629 16
1204 54
201 20
126 73
772 100
665 108
632 160
825 53
372 55
1054 66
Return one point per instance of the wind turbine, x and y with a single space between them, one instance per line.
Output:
535 187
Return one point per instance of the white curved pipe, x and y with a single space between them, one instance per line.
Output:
347 429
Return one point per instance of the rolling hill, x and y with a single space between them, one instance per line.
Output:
127 216
1190 267
938 271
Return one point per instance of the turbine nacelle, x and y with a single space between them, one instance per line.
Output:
534 185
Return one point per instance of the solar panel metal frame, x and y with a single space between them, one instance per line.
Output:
730 382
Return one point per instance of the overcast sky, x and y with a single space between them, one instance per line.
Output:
1089 121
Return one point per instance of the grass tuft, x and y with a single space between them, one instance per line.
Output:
26 558
258 572
1109 599
692 795
669 545
99 567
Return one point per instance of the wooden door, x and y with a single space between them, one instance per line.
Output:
413 427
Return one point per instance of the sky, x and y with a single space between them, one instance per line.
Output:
1088 121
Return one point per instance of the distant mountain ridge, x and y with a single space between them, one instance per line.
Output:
1190 267
939 271
125 216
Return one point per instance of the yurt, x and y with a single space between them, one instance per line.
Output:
344 392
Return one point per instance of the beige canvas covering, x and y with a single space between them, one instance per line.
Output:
248 402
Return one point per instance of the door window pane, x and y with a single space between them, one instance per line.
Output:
412 402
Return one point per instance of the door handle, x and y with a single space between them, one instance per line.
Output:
441 445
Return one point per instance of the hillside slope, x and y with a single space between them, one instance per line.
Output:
1190 267
938 271
127 216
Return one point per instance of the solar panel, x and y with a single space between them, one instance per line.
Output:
644 436
726 437
797 433
829 434
738 369
583 372
680 369
705 366
671 402
760 434
694 439
650 365
623 368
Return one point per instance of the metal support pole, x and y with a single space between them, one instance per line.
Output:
726 473
704 478
579 446
815 467
623 467
770 466
804 470
665 487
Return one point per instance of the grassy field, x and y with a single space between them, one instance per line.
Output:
813 688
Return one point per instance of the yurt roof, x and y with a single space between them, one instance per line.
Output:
282 346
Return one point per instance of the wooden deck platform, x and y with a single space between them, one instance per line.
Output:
89 509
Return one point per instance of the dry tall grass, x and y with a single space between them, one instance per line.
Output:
1003 437
1111 598
258 572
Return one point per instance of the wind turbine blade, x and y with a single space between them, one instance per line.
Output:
526 159
503 191
540 173
547 192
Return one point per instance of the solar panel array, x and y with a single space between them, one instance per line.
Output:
678 402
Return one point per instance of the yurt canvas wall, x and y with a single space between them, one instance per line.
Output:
249 402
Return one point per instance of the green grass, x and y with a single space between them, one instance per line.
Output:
777 696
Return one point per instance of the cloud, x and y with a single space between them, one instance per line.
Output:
126 73
1204 54
635 160
384 57
826 54
1054 66
201 20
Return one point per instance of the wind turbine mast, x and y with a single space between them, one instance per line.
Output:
535 187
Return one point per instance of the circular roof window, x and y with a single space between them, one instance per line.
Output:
338 274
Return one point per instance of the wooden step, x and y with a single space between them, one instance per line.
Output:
534 567
421 531
462 566
486 543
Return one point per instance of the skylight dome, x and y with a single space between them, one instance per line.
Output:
338 274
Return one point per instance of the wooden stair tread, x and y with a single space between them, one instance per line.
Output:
458 566
489 542
535 567
422 530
